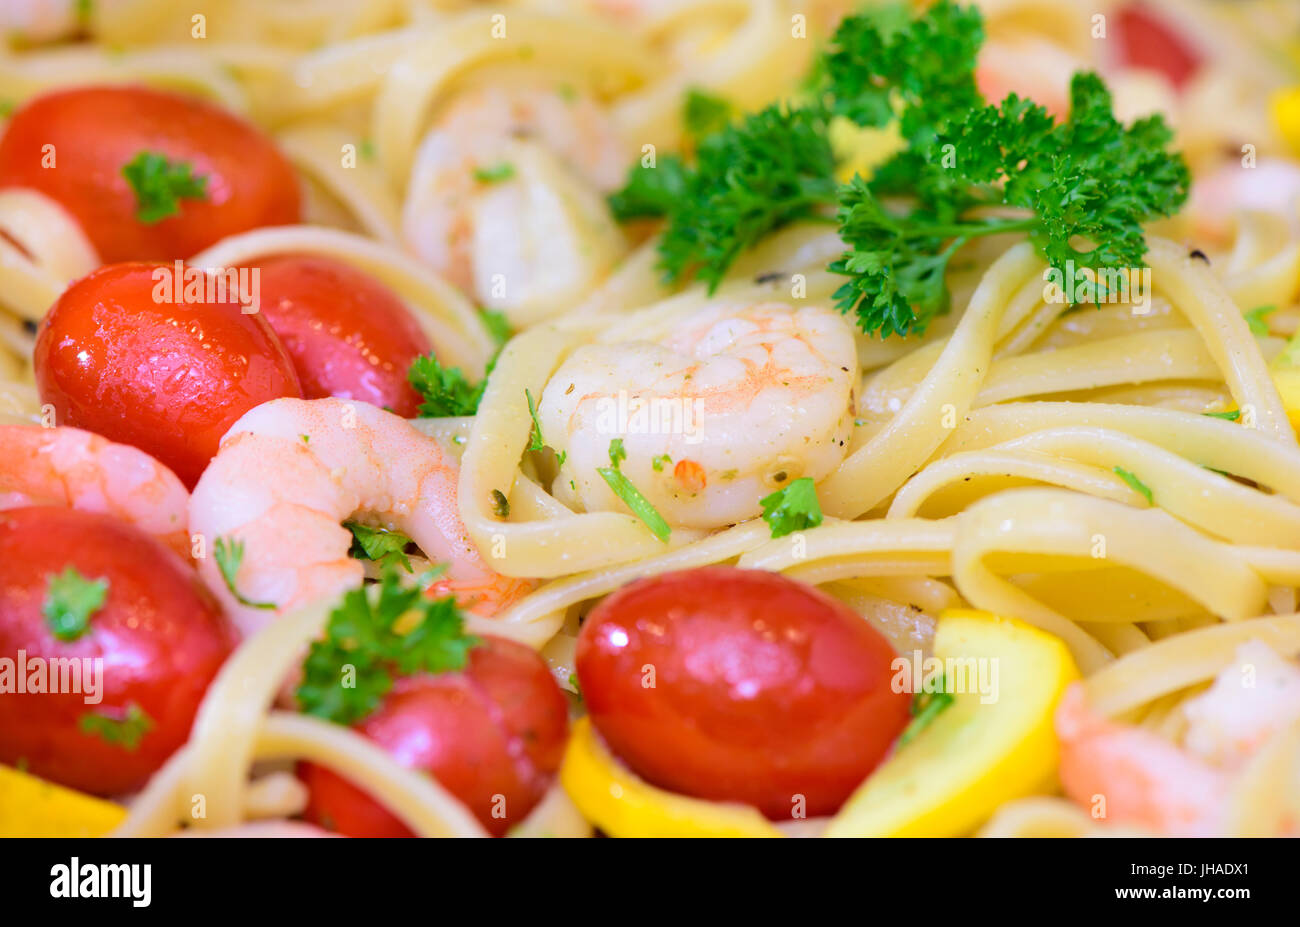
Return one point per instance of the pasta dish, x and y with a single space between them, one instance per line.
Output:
805 418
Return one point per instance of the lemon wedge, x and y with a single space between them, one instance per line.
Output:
979 753
32 807
622 805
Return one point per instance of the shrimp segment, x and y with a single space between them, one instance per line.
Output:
1184 790
290 471
81 470
504 199
1131 776
729 407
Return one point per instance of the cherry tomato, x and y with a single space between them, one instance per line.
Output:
73 145
1147 41
159 633
739 685
492 734
169 378
348 334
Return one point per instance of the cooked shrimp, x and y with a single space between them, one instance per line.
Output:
732 405
1249 702
1151 782
1131 776
32 21
1271 185
290 471
505 201
81 470
1030 67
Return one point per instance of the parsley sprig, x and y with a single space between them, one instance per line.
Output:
375 634
125 731
387 548
793 508
1080 189
159 185
446 391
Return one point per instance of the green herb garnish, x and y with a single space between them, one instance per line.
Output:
446 390
1255 319
494 174
925 707
376 633
630 495
535 442
379 544
159 185
229 555
793 508
1131 478
70 600
126 731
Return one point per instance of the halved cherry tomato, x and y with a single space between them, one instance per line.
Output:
159 633
348 334
169 378
741 686
72 145
1147 41
492 734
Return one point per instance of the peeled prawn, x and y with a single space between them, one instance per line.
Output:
290 471
505 199
732 404
80 470
1132 776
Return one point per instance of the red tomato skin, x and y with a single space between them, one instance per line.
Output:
168 378
96 131
498 727
161 635
1146 41
764 689
349 335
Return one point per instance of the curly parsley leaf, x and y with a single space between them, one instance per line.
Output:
769 169
650 191
229 554
446 390
159 185
70 600
379 544
704 113
375 634
793 508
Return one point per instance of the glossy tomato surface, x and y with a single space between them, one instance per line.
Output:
492 734
740 685
349 335
96 131
169 378
160 635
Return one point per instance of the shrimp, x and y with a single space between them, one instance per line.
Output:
504 199
736 403
33 21
286 476
1271 185
1249 702
1167 788
77 469
1131 776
